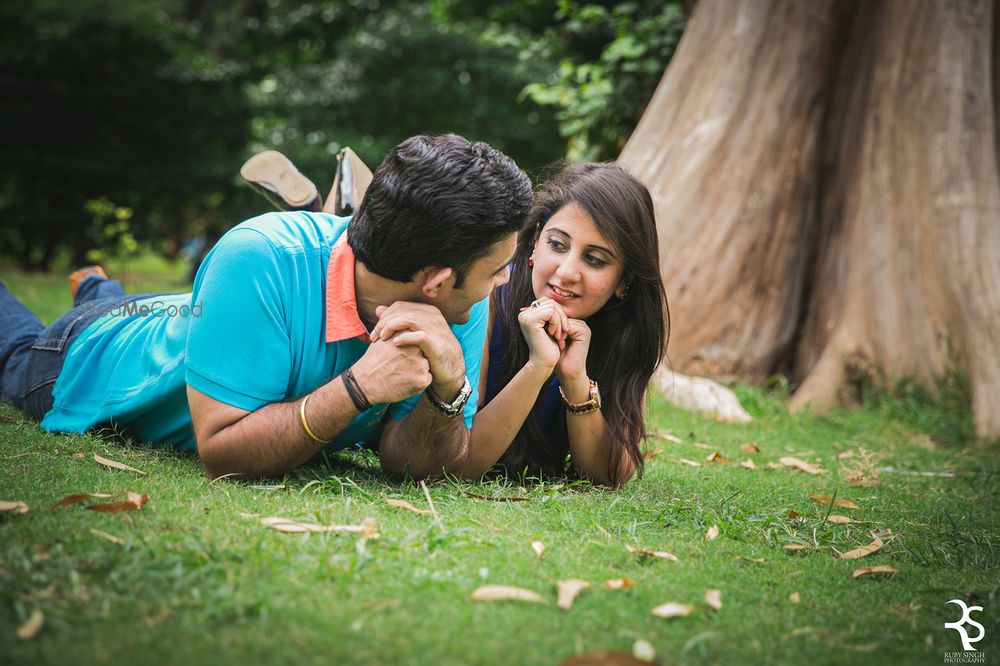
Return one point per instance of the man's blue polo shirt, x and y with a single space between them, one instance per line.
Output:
272 317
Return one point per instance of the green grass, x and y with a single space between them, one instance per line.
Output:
199 580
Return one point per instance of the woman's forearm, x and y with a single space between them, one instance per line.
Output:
590 441
496 424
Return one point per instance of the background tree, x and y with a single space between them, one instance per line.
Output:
827 189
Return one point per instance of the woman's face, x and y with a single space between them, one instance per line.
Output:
575 265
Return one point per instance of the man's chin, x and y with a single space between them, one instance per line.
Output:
460 318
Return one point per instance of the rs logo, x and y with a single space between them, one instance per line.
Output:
960 625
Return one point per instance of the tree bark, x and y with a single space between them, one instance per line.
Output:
908 278
828 193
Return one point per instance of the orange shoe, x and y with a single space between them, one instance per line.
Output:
76 276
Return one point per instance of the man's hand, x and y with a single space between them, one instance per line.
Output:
390 373
543 326
419 326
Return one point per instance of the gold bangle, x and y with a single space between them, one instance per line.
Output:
305 426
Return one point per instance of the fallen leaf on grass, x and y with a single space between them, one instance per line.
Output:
867 571
844 455
774 465
538 547
79 497
673 609
568 590
748 464
406 506
863 551
369 529
801 465
840 520
703 445
643 552
294 527
607 658
795 547
716 457
750 447
619 583
713 533
13 507
114 464
714 599
32 625
792 515
689 463
672 438
839 502
104 535
498 499
794 597
651 453
134 502
643 650
506 593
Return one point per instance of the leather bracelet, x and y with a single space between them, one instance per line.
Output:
358 396
305 425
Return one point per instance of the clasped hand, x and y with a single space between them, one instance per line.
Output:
555 341
412 348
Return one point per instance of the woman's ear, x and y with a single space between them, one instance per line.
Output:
622 289
431 279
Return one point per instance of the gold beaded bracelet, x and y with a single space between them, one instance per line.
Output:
305 426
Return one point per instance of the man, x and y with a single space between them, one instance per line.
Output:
270 358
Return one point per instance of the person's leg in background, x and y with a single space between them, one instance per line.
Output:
91 283
19 328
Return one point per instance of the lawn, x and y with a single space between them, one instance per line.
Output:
196 576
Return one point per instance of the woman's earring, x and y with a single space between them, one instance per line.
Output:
531 261
623 293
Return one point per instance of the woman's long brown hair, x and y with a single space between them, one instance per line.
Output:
629 334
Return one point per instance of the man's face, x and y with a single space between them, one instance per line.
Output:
485 275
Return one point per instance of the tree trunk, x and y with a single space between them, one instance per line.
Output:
827 192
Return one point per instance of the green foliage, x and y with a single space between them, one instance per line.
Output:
610 61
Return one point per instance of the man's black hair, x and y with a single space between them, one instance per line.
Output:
438 201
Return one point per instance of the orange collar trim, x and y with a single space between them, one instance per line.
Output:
342 319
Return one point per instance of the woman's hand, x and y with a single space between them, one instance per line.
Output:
543 325
572 365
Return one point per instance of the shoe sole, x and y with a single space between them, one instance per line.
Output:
276 175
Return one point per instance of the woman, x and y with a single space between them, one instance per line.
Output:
576 334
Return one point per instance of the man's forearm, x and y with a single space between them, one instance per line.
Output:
271 440
423 443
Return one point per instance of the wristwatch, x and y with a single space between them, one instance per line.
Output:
591 405
452 409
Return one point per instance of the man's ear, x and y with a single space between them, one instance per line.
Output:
432 279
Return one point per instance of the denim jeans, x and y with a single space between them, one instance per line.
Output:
31 355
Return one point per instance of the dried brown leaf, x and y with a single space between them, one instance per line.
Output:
506 593
369 529
716 457
839 520
619 583
794 597
713 533
703 445
643 650
651 453
844 455
774 465
748 464
863 551
792 515
294 527
13 507
31 626
79 497
867 571
104 535
840 502
714 599
862 471
801 465
750 447
568 590
135 502
406 506
689 463
672 438
538 547
643 552
673 609
114 464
